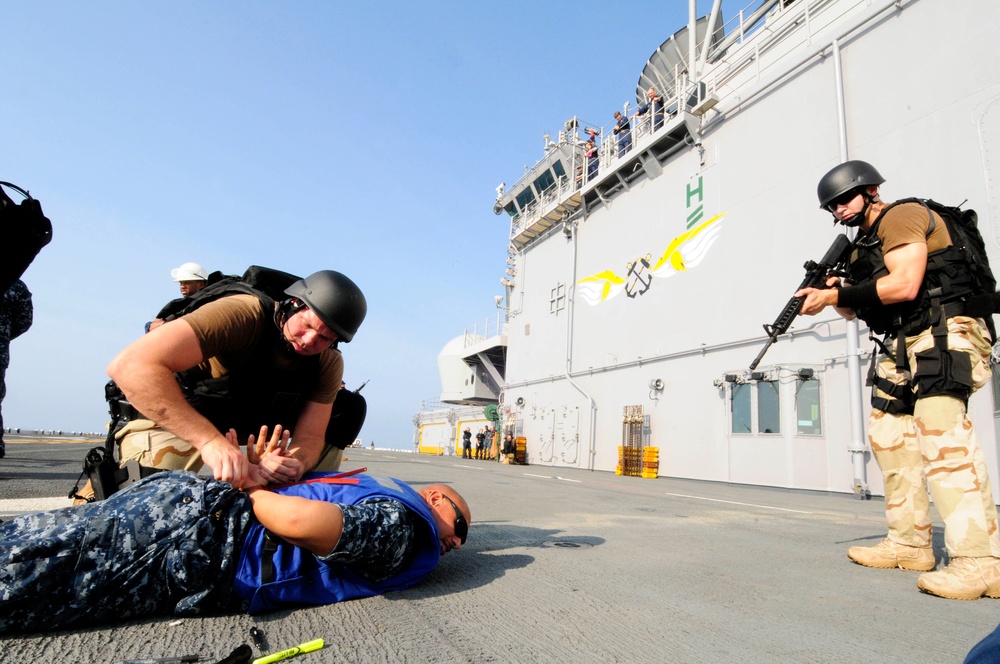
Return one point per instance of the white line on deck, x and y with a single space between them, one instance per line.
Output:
733 502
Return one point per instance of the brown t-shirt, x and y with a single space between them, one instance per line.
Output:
907 223
228 329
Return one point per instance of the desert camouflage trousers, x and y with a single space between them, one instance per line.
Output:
168 544
936 449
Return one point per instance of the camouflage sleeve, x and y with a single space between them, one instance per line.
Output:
377 540
15 311
22 311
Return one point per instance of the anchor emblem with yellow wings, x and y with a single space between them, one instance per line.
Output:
683 253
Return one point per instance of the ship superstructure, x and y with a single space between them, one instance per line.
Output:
639 274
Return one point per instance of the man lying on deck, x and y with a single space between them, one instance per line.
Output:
177 543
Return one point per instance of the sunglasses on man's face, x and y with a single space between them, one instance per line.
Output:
843 199
461 525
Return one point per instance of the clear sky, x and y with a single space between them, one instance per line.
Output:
368 138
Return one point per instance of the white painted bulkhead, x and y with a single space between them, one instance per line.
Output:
921 95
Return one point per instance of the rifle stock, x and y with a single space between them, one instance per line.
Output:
816 274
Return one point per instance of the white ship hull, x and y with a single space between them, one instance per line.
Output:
664 266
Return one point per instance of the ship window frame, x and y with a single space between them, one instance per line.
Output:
800 384
747 419
544 178
746 409
524 198
557 298
766 403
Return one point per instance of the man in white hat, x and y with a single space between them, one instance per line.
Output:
192 278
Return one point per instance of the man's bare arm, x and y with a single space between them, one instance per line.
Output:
309 434
145 373
315 525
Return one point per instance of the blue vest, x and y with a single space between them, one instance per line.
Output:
302 578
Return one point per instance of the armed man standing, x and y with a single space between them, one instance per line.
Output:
910 283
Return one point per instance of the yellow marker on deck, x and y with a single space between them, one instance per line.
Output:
309 646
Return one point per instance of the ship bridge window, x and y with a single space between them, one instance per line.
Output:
558 168
524 198
544 181
510 209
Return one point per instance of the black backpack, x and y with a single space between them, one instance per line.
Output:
963 227
24 230
256 280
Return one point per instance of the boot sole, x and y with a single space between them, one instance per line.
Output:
970 597
897 565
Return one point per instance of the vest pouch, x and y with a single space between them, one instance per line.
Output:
100 470
943 372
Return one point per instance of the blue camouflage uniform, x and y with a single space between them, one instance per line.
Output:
15 318
390 541
177 543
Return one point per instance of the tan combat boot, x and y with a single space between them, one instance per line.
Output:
964 578
888 554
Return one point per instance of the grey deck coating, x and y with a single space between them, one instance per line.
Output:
566 565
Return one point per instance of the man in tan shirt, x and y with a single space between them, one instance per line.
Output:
241 362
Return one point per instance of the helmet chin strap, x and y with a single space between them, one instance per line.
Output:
859 218
282 313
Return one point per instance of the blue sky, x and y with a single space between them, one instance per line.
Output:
367 138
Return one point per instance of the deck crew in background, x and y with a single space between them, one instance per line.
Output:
16 314
480 444
908 282
191 278
467 443
241 361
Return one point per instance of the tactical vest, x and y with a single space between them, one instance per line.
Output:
299 577
947 279
268 386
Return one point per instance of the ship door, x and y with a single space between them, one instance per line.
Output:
568 434
546 425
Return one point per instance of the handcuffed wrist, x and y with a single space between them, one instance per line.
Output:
858 297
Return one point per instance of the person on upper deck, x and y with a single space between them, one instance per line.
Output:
591 154
909 282
623 130
655 103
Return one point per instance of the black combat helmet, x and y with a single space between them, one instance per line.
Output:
845 177
335 299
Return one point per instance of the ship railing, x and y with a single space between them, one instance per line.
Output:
679 91
488 328
788 25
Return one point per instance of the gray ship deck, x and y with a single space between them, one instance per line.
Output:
565 565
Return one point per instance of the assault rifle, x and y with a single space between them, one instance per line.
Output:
833 263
